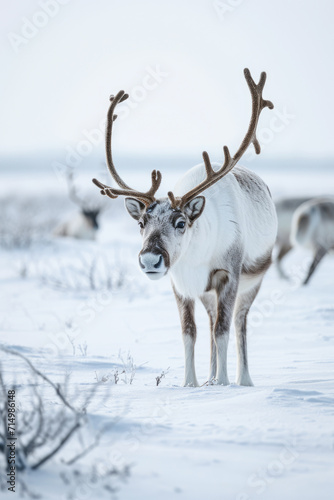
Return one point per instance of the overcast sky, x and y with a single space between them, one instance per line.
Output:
182 63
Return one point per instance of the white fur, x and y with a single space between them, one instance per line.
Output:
233 235
285 209
320 230
243 377
247 283
229 214
190 379
221 346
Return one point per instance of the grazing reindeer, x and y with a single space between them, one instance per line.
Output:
313 228
285 209
216 248
84 225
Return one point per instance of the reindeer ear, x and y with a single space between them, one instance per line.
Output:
135 207
194 208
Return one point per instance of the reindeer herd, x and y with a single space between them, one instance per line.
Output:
306 222
214 235
302 222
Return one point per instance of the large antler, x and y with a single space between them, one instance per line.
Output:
213 176
148 197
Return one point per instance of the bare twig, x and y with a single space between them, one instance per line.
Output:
89 448
129 367
57 448
56 387
47 431
161 376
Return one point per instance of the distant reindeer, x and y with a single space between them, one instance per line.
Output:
285 209
313 228
83 225
216 248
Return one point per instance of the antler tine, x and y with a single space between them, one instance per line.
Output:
156 181
207 163
227 157
175 202
148 197
258 104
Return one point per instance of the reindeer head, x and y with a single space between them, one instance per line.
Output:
165 230
92 216
89 211
166 224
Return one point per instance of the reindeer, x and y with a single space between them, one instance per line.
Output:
84 225
285 209
216 248
312 228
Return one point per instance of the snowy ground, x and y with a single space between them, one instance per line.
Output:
272 441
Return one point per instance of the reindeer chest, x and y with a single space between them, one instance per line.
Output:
190 282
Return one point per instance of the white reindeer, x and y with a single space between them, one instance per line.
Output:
83 225
312 228
216 248
285 208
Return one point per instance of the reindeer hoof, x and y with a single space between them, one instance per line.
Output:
191 384
245 381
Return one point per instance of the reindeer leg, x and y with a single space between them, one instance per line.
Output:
226 295
186 311
320 254
243 304
209 301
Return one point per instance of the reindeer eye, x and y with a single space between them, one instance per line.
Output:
180 224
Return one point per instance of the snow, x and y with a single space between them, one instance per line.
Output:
271 441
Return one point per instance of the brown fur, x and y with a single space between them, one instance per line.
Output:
186 309
259 266
217 279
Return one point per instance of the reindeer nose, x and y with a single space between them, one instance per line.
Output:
150 262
